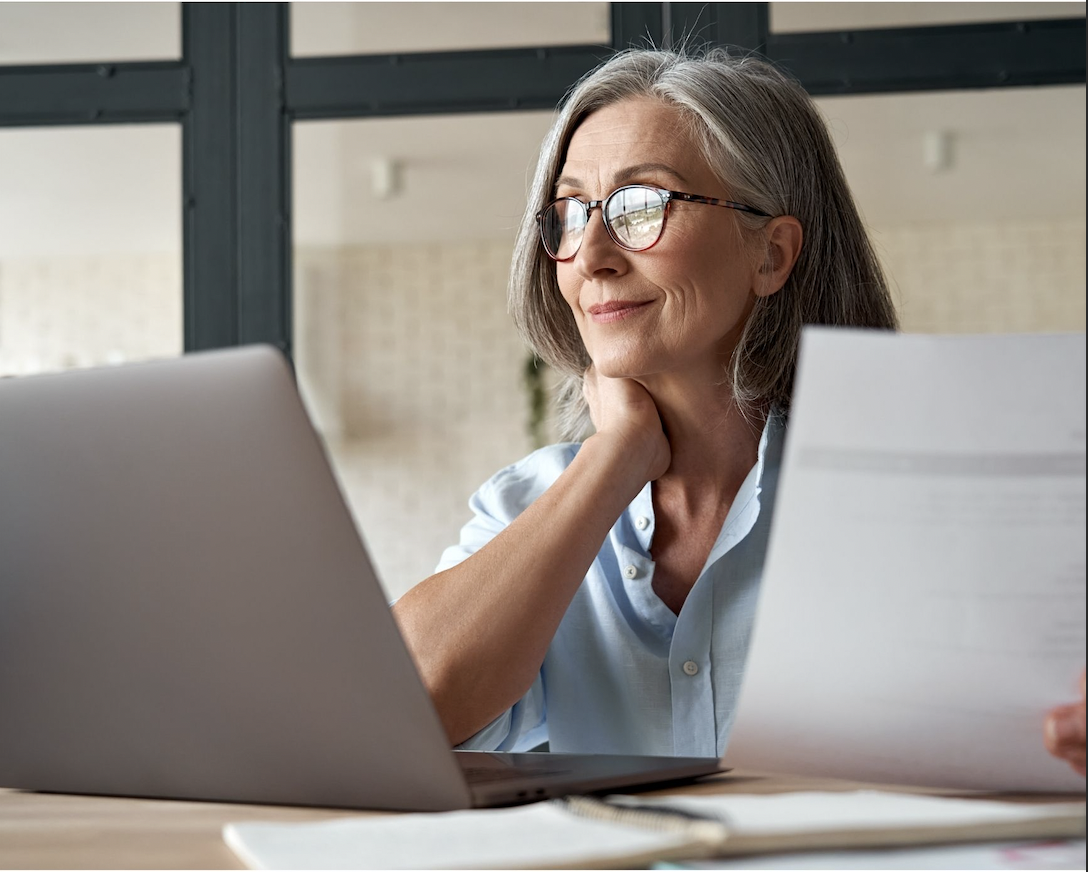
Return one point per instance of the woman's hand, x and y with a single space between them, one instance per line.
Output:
623 410
1065 732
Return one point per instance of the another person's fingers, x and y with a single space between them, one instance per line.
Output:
1075 758
1065 735
1065 726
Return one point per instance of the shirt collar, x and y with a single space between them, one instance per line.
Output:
745 508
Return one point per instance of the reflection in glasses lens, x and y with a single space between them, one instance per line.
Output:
563 224
634 215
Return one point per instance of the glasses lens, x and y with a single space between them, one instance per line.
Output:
636 216
562 226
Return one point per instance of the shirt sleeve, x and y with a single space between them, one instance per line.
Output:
494 506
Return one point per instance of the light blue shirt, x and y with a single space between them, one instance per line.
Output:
623 674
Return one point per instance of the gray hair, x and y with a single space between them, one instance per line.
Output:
763 138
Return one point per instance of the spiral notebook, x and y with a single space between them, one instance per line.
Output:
626 831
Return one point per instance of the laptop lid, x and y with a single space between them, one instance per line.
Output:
187 611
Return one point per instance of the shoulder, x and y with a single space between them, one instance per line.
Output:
512 489
506 495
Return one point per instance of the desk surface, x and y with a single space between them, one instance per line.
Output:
49 831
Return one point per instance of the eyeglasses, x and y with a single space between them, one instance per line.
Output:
634 216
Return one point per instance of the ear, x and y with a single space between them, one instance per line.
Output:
783 236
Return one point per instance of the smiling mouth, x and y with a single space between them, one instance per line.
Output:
615 310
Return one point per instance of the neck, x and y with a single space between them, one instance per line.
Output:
713 446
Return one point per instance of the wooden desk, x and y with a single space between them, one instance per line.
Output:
50 831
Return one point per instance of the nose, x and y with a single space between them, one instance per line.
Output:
599 255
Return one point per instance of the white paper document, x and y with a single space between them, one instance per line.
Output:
923 604
1014 855
549 835
538 836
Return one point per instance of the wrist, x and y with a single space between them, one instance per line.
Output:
621 458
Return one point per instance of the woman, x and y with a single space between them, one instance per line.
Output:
687 217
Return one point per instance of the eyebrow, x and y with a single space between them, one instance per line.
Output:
626 175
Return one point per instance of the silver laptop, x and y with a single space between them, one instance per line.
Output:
187 611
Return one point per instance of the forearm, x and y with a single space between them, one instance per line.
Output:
479 631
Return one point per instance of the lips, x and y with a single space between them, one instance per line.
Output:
615 310
615 306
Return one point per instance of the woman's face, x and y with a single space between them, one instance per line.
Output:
678 307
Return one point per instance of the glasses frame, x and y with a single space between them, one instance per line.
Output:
667 195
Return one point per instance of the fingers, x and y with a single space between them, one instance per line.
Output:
1065 725
624 413
589 381
617 401
589 392
1064 731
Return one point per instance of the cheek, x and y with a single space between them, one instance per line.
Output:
723 281
693 259
566 278
711 252
712 298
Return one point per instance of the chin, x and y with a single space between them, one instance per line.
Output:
627 366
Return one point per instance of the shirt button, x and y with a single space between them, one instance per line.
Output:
691 667
630 571
642 522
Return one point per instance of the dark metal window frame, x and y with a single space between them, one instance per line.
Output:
237 90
